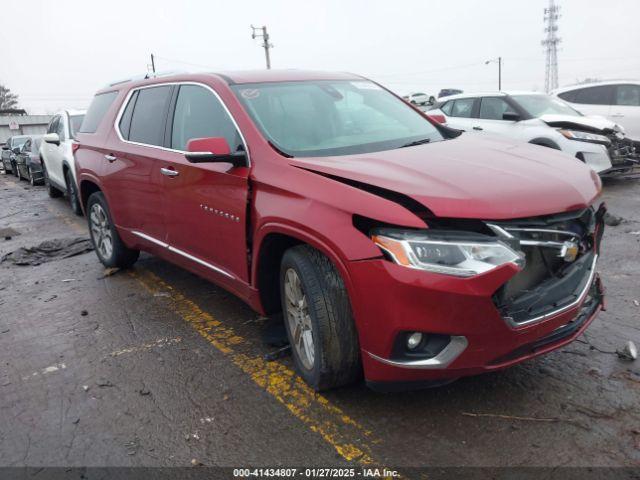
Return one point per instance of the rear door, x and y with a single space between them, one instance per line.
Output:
460 113
626 109
205 203
131 171
56 152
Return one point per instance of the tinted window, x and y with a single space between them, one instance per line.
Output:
568 96
492 108
199 114
98 108
446 108
628 95
74 124
594 95
462 108
125 120
27 146
148 120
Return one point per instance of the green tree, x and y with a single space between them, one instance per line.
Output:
7 99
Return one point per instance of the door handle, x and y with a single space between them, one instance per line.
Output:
169 172
477 128
111 158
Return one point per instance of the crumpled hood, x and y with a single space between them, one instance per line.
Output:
590 123
471 177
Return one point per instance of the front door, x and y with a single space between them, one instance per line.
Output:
205 203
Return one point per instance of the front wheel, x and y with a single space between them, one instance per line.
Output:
72 193
109 247
318 319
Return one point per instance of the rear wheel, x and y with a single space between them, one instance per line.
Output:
51 190
318 319
109 247
14 169
31 180
72 193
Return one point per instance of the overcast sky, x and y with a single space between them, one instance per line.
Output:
57 53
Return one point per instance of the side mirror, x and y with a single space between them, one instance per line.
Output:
5 146
213 149
52 138
511 116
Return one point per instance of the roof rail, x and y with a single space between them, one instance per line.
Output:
144 77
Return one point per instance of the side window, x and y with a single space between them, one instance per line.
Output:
148 119
628 95
53 125
601 95
200 114
60 129
492 108
569 96
125 120
446 108
99 106
27 146
462 107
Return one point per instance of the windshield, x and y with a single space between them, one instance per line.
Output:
538 105
323 118
18 142
74 124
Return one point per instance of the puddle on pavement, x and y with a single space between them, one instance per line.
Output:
48 251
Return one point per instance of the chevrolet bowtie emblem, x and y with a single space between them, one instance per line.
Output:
569 251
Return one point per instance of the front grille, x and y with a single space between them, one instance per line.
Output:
561 251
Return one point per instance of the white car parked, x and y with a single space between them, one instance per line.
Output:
542 120
57 151
619 101
417 98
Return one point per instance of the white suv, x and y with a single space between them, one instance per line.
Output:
417 98
618 101
57 156
543 120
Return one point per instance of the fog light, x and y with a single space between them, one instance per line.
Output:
414 340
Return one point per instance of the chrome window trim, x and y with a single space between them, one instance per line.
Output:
560 310
116 124
442 360
182 253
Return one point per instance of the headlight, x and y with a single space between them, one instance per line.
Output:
433 252
584 136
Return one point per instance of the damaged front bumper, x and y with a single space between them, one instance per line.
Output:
625 158
479 324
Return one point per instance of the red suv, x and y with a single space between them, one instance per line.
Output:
394 247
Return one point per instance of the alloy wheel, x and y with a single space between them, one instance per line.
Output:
101 231
298 318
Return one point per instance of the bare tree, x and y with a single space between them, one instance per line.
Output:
7 99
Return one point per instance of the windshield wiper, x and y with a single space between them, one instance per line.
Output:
416 142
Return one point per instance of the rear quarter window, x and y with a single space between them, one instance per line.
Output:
96 112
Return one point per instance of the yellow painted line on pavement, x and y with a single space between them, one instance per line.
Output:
350 439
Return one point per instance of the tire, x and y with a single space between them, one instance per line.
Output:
14 169
323 305
51 190
101 230
72 193
32 182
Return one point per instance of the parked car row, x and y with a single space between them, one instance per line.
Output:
47 159
546 121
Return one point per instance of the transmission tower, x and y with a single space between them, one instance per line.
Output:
550 42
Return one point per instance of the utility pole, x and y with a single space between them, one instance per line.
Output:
153 63
265 44
550 42
499 62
